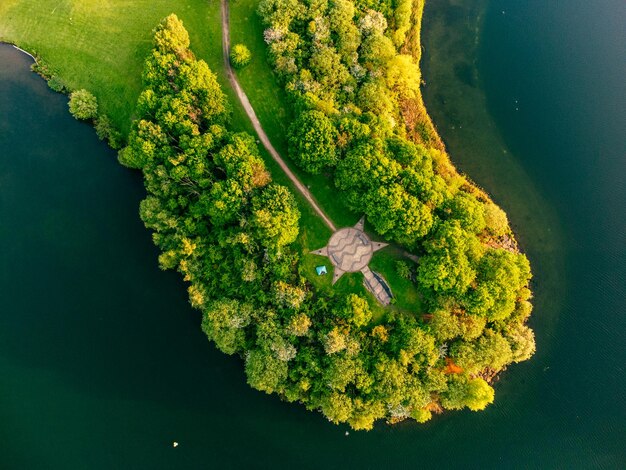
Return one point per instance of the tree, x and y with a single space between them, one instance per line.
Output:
377 50
447 325
240 56
375 97
468 211
224 322
421 415
172 37
522 342
491 351
398 214
288 296
83 105
364 169
501 276
226 202
479 394
448 265
403 76
299 325
275 216
402 21
365 412
283 350
334 341
342 13
280 13
337 407
496 220
265 372
340 372
105 130
241 162
328 70
462 392
357 310
312 142
403 270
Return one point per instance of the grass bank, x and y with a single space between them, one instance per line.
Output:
101 45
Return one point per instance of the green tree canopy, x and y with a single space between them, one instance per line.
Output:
312 141
83 105
275 216
475 394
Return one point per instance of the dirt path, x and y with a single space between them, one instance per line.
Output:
255 121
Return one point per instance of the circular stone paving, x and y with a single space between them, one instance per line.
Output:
350 249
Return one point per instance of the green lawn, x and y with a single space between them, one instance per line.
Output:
101 45
406 297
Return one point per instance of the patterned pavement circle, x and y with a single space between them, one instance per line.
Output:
350 249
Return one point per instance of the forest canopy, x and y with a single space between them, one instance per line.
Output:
219 220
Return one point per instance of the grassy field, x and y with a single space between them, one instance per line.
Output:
101 45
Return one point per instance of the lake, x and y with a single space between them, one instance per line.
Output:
102 361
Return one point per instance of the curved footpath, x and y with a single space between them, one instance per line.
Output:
255 121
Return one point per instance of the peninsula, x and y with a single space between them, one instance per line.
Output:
345 135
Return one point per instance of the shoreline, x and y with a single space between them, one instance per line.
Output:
22 50
414 46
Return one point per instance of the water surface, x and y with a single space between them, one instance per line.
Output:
102 361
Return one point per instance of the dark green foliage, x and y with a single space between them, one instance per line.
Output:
312 142
448 266
57 84
501 277
106 131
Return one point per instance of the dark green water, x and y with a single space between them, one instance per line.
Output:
102 362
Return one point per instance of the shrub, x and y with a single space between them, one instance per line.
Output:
240 56
56 84
105 130
83 105
403 269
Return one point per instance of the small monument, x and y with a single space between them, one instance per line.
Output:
350 250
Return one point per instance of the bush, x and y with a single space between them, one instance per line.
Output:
240 56
83 105
106 131
56 84
403 269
